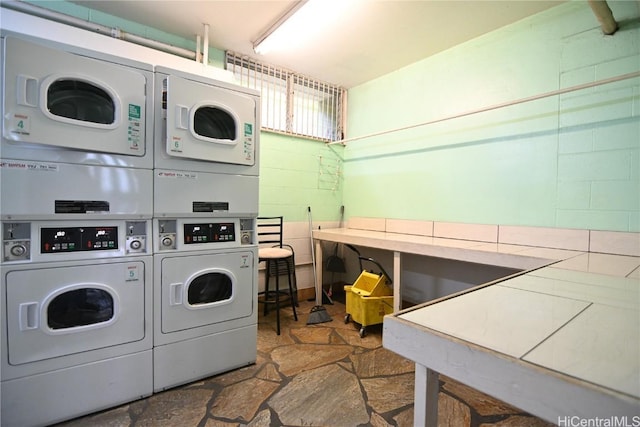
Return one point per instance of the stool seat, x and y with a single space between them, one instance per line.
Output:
279 260
274 253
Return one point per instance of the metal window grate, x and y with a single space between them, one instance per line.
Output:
292 103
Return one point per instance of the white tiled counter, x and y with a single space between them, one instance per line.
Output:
479 252
558 342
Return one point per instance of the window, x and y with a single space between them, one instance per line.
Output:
292 103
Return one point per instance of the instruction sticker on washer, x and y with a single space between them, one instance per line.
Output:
20 124
248 141
176 144
133 275
177 175
29 166
135 113
245 261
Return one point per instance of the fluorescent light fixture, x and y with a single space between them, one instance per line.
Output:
305 19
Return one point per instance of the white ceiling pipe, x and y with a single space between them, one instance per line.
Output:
205 53
604 15
198 41
96 28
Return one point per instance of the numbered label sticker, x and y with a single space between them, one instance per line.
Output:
175 144
132 273
20 124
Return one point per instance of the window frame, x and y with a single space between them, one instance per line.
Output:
303 113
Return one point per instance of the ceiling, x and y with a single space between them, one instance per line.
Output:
371 38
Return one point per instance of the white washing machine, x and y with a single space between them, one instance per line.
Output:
204 125
76 188
76 310
63 104
205 298
206 166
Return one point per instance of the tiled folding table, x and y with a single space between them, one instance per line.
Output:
559 342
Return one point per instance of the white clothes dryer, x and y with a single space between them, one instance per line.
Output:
205 298
202 194
205 125
63 104
75 304
36 190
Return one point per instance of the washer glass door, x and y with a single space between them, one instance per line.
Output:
58 311
80 307
79 100
203 290
210 288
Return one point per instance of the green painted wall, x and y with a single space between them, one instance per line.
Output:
566 161
298 173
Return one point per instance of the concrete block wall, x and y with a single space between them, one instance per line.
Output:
568 161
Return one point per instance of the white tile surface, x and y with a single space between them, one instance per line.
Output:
478 232
501 248
611 242
614 265
453 243
609 281
363 223
511 321
635 274
421 228
559 238
548 253
601 345
624 295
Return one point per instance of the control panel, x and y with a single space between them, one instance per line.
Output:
209 232
75 239
48 240
178 234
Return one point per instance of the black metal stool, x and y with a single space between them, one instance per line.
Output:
279 260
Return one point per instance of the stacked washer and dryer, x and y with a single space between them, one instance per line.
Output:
205 206
129 198
76 208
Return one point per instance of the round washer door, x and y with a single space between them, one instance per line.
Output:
58 311
201 290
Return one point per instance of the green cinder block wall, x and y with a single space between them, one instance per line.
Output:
299 173
570 161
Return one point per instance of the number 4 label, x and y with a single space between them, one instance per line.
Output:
20 124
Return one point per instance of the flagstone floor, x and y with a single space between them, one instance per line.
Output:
311 375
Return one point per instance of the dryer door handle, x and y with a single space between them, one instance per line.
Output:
28 316
182 117
27 91
175 294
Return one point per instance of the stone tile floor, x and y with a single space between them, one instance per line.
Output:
311 375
